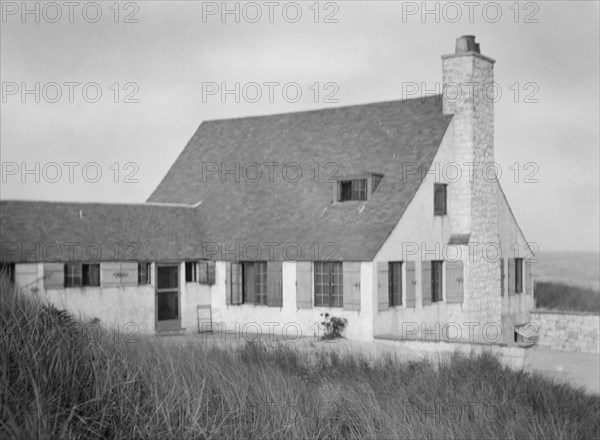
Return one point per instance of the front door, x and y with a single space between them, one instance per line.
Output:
168 316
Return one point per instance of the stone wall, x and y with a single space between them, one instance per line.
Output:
569 331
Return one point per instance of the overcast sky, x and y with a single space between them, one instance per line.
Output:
163 55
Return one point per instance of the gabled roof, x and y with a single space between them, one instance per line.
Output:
378 138
46 231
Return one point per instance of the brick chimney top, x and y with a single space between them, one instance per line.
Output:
466 46
466 43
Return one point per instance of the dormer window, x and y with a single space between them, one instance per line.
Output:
356 188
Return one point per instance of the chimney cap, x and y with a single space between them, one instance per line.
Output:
466 44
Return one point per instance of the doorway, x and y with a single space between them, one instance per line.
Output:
168 310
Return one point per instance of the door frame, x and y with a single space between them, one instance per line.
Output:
171 324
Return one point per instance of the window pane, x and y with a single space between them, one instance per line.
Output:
395 284
346 190
436 280
359 190
261 282
167 277
518 275
439 197
91 275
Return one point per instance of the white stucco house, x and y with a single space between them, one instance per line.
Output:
371 212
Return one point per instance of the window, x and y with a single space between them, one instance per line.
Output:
191 272
254 282
353 190
395 283
144 274
202 272
78 275
518 275
329 284
436 280
439 199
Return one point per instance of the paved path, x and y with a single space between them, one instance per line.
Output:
579 369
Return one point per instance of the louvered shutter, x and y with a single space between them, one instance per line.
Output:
236 283
383 282
426 282
411 284
529 277
511 276
304 282
228 283
274 284
54 276
351 275
454 282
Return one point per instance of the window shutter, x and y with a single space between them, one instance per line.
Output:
110 272
529 277
411 284
211 272
426 282
54 276
236 283
131 269
274 284
117 274
383 282
511 276
228 283
351 275
304 282
454 282
502 276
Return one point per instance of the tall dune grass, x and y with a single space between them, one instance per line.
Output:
58 383
559 296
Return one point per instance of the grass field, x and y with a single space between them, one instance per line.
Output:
57 382
560 296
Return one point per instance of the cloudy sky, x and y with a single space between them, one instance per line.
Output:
121 87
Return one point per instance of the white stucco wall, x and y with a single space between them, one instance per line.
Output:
515 308
121 305
289 321
422 236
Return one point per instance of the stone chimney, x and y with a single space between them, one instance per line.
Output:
473 207
468 94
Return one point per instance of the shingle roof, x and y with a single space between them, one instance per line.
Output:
377 138
42 231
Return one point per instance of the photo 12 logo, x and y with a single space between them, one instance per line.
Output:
53 172
270 12
70 12
69 91
470 12
271 92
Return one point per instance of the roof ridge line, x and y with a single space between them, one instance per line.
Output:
324 109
